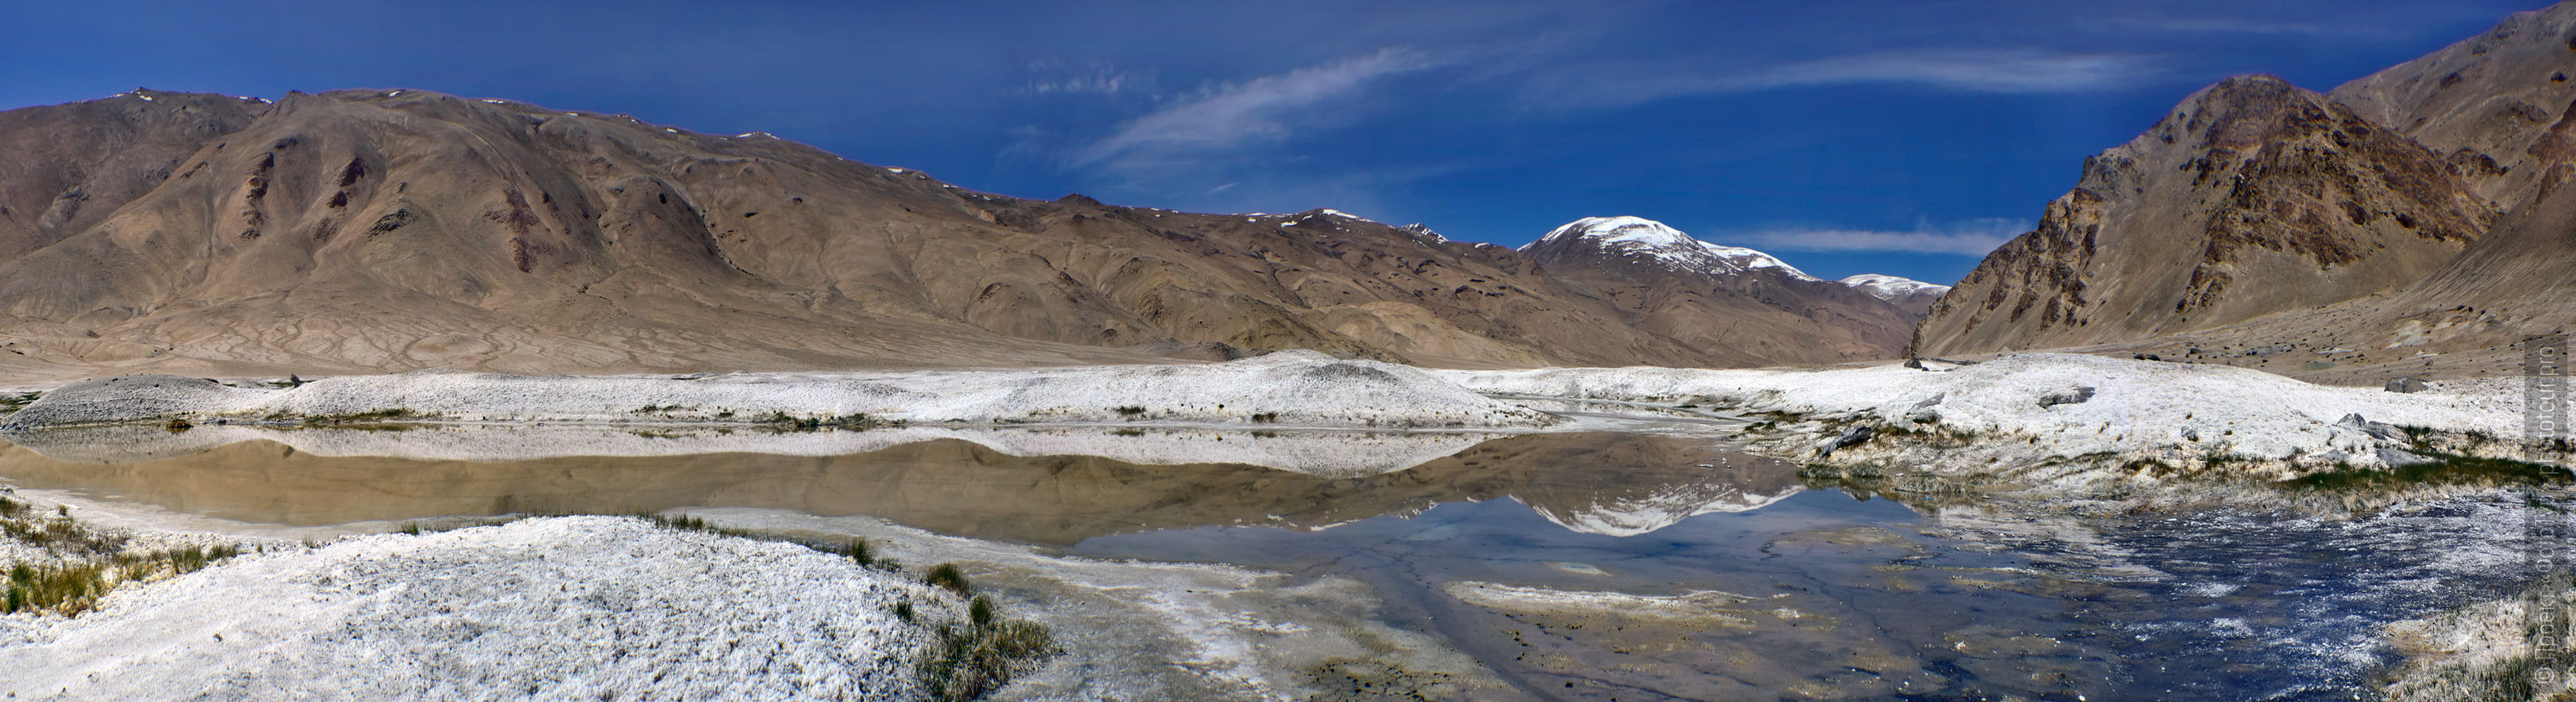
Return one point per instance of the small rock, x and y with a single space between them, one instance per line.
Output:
2076 396
1923 416
2381 430
2190 434
1856 434
2400 458
2408 385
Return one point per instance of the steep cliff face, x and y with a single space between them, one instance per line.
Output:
394 229
2252 197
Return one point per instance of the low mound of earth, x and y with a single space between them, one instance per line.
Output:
556 608
391 230
1294 388
2071 424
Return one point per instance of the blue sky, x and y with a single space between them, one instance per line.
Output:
1847 137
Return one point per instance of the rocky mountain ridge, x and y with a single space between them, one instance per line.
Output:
2407 223
383 230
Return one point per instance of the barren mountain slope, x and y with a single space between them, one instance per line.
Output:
69 166
386 230
2252 197
2490 103
2498 105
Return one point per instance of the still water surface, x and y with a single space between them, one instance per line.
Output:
1604 565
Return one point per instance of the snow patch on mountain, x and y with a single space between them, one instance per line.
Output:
1668 246
1891 288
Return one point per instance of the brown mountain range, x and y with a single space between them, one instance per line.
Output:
375 230
2409 222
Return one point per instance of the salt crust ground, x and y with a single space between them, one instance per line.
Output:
1131 631
1327 453
2138 409
556 608
1292 388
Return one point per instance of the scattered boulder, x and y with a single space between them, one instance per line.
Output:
2400 458
1922 413
2190 434
2075 396
2408 385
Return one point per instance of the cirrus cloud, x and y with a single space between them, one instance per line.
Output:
1975 237
1260 111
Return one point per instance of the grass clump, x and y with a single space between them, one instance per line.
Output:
2446 469
947 576
376 420
86 563
784 422
971 662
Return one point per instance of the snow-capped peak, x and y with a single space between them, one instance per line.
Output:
1676 250
1888 287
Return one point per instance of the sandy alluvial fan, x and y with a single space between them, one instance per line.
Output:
397 229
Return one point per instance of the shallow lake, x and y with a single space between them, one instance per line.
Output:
1599 565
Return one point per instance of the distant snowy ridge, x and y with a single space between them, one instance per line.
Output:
1891 288
1669 246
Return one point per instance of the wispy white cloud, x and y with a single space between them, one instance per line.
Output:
1965 70
1054 77
2222 25
1958 70
1975 237
1260 111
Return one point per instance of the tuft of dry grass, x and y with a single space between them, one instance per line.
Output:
86 562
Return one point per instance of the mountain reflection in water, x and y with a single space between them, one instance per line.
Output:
1603 482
